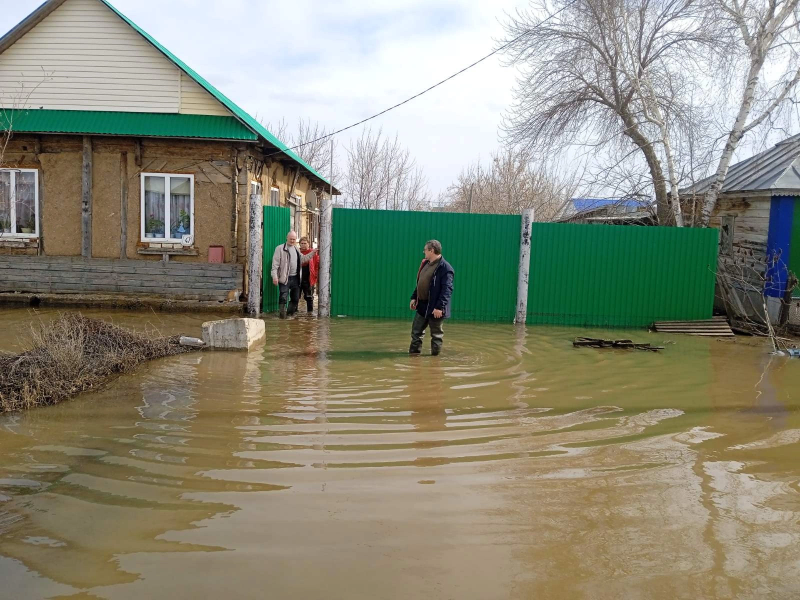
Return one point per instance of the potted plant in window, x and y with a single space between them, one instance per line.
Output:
184 221
5 225
155 227
29 226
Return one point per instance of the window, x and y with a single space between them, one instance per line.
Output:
19 202
294 214
726 235
274 197
255 188
167 206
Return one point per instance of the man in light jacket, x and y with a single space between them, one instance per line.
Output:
287 263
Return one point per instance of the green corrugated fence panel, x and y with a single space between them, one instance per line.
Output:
617 276
277 221
376 254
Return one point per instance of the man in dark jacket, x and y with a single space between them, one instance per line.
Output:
431 298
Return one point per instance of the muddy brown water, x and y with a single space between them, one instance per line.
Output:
329 464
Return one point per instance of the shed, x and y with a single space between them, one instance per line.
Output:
759 220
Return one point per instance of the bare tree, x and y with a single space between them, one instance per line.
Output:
511 183
380 174
311 141
608 74
768 36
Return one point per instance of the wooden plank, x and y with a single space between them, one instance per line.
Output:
27 262
86 195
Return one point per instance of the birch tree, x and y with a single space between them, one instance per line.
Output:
608 74
768 36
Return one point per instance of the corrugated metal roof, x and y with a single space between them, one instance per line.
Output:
229 104
775 169
125 123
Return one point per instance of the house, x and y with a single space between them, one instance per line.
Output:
607 211
123 170
759 223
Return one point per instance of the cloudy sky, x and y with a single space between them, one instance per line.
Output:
342 60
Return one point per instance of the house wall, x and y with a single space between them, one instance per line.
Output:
83 56
59 160
751 224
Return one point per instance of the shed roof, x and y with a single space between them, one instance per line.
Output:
776 169
257 128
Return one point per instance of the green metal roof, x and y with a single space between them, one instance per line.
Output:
229 104
125 123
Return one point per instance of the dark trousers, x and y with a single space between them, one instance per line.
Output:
290 289
308 294
418 333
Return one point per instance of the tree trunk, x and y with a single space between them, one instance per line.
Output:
663 210
734 137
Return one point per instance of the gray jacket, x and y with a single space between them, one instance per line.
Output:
280 262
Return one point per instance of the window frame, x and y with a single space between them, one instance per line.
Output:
274 189
13 208
253 185
167 202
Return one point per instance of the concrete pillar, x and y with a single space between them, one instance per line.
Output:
325 239
524 266
254 253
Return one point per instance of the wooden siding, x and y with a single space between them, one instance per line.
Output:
197 101
751 224
84 57
49 275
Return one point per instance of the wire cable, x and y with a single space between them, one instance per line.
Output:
425 91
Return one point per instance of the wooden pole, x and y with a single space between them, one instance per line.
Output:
524 266
86 203
254 253
123 206
325 238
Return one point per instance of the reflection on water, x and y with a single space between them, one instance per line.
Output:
330 464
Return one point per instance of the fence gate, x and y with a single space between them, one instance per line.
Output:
376 254
276 226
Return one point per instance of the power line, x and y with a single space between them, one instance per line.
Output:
435 85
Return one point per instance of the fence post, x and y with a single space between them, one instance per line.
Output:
254 252
325 239
524 266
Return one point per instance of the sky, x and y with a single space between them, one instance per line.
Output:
340 61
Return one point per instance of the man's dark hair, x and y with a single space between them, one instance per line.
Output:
435 246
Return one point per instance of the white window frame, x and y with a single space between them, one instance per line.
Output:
13 214
167 203
256 185
274 189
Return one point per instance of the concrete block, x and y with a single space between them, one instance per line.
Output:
233 334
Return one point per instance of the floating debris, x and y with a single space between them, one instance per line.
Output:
584 342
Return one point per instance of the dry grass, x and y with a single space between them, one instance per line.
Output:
72 355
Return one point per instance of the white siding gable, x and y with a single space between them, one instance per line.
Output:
195 100
82 56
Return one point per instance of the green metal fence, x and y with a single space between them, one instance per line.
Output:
618 276
277 221
588 275
376 255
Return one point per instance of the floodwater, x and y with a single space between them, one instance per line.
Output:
329 464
